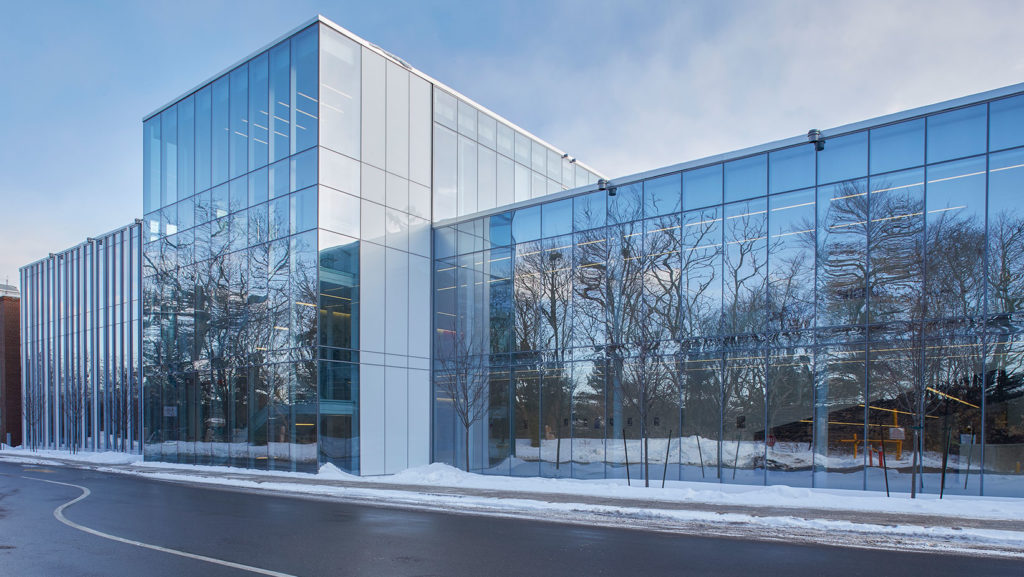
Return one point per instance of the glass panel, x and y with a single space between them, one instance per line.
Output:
744 442
556 218
791 261
526 224
953 381
844 158
280 101
238 194
1006 123
169 142
506 140
467 120
303 210
897 146
745 267
839 417
304 170
467 176
955 250
446 171
1004 416
221 129
589 211
445 109
151 166
702 415
239 123
662 195
627 204
790 410
957 133
259 111
746 178
340 111
702 187
1005 221
896 242
258 186
487 131
186 148
842 253
894 402
702 271
305 106
791 168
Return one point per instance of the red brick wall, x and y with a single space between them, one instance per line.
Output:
10 370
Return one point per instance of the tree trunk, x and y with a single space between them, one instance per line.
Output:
467 449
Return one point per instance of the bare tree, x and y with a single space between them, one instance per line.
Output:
463 378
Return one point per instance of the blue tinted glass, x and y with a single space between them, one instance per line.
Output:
220 116
957 134
501 229
746 178
444 242
280 97
556 218
220 204
897 146
258 186
259 118
151 164
843 158
204 207
1006 123
303 170
186 213
627 204
279 179
203 138
239 138
791 168
589 210
305 107
702 187
304 210
663 195
280 222
526 224
239 194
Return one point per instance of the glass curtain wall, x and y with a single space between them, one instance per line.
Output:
80 344
844 317
481 162
230 273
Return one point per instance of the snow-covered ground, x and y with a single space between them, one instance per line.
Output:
814 515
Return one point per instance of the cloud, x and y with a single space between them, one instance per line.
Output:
688 82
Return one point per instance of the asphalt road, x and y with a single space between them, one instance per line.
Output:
297 536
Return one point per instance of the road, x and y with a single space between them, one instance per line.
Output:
287 535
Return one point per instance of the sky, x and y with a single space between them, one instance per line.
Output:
623 86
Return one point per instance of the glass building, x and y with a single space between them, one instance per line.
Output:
842 313
286 275
343 261
80 346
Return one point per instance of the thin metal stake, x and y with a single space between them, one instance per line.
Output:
625 450
668 450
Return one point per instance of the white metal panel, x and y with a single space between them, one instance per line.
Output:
371 295
397 291
397 120
373 183
419 130
419 418
396 415
374 108
371 420
419 306
339 172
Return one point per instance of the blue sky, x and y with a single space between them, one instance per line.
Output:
623 86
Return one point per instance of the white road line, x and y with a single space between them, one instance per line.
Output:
59 514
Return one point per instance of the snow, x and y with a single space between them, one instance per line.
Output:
437 486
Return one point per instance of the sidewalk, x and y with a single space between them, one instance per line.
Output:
962 525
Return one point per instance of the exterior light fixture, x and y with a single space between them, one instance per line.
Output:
814 135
